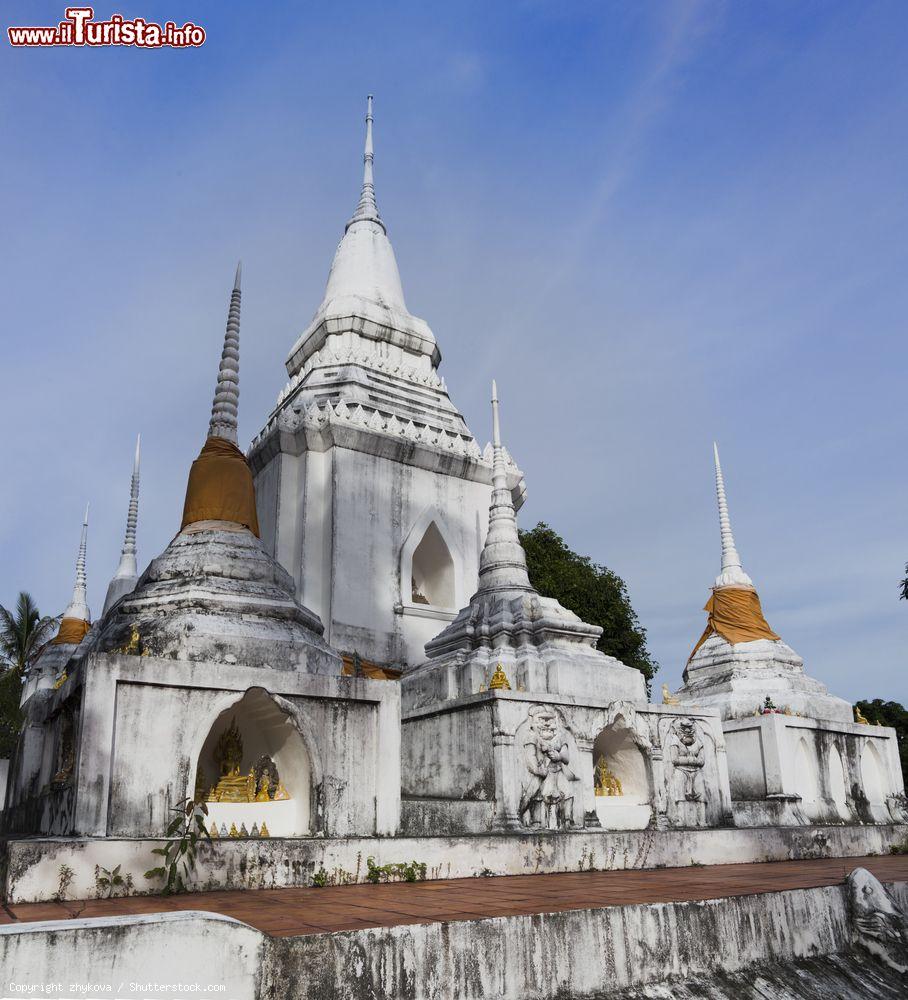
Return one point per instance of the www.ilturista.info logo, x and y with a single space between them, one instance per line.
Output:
80 28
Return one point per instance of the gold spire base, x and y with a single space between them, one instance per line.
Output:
72 632
735 614
220 487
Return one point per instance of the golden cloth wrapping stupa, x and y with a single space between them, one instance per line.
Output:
220 487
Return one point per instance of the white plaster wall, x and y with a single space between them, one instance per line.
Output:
145 722
824 768
338 521
111 954
34 864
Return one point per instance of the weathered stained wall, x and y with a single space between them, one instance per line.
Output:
143 722
579 953
33 865
782 770
473 749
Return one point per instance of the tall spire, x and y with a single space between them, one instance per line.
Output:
367 209
124 580
78 606
226 396
502 564
732 574
220 480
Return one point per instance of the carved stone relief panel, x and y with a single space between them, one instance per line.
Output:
551 791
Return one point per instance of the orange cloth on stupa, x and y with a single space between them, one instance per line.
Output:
735 614
220 487
72 631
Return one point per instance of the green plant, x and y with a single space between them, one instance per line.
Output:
320 879
107 882
65 880
901 848
180 850
414 871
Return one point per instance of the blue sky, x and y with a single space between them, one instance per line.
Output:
653 223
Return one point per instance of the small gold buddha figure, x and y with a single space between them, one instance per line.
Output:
264 794
264 830
233 831
860 718
213 832
606 783
281 792
668 698
499 681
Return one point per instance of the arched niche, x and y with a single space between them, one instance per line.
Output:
837 783
805 775
623 789
430 571
873 775
267 776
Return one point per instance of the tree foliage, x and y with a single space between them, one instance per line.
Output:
23 634
595 593
903 585
890 713
10 716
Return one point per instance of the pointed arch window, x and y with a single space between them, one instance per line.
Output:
432 572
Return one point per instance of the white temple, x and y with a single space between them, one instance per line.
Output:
342 655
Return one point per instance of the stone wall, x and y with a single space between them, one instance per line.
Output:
32 866
578 953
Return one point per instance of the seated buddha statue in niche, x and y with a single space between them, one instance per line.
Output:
233 786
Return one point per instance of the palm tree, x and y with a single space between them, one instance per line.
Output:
23 634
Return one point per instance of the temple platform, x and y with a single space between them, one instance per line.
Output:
290 912
31 872
825 927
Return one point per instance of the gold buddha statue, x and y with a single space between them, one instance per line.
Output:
499 681
606 783
232 786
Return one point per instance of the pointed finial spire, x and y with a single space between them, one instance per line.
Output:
78 606
732 572
502 563
367 209
226 396
124 580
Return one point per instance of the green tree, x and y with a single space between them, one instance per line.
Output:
890 713
10 716
903 585
23 634
595 593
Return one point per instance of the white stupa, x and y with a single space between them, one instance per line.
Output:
739 661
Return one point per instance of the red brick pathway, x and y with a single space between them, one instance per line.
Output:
285 912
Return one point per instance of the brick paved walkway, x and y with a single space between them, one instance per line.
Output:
286 912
